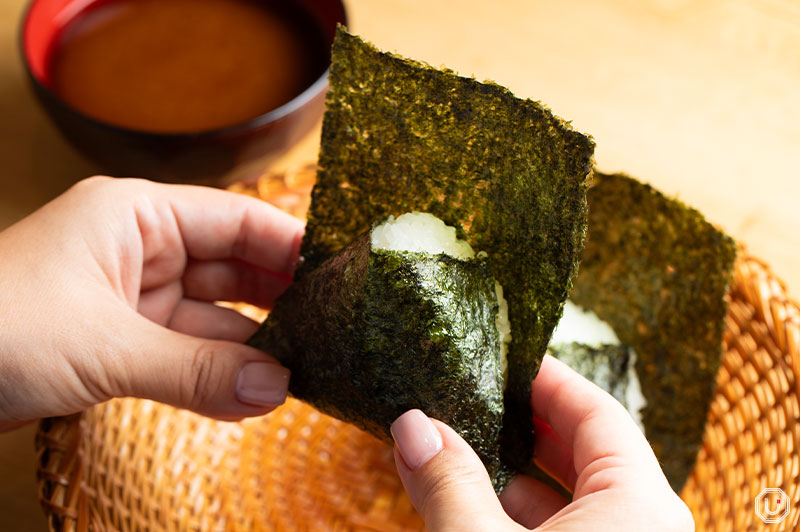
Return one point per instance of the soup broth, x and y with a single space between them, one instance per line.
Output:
184 66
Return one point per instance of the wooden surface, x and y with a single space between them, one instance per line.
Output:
698 98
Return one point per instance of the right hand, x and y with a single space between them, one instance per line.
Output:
585 439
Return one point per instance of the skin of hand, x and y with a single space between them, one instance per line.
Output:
109 290
585 439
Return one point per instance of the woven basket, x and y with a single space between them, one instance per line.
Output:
134 465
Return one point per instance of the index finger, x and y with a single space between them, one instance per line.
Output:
217 224
597 428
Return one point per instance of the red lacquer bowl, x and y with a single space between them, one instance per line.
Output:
216 157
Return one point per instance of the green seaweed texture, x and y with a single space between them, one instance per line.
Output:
370 334
658 273
606 365
400 136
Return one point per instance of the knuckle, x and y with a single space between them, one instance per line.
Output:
92 188
101 184
100 382
199 378
93 183
97 180
100 370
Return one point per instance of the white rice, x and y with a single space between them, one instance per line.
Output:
633 393
425 233
504 329
583 327
420 232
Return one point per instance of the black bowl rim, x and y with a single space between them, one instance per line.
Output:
253 124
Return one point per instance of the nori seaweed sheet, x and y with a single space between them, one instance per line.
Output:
606 365
400 136
382 332
658 273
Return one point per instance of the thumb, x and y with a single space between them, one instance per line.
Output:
222 379
444 478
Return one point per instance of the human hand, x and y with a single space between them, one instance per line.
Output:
584 438
108 291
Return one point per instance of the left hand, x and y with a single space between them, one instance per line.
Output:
109 291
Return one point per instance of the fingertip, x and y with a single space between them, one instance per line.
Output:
416 438
294 248
272 238
558 393
262 384
444 478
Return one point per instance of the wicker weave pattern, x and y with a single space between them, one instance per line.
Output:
133 465
753 430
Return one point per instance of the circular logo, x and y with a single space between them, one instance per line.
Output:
772 505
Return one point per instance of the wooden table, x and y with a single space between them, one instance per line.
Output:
699 98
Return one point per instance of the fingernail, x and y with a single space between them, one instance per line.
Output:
417 439
262 384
